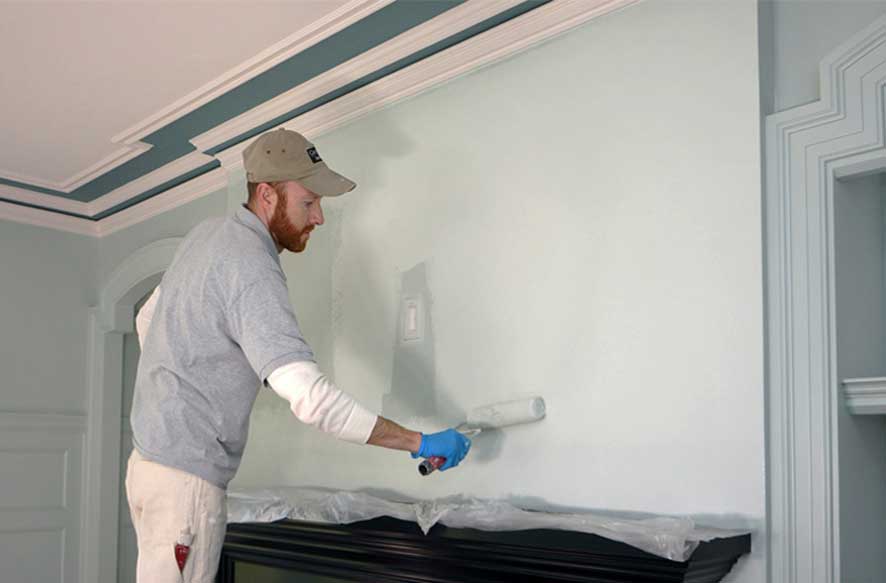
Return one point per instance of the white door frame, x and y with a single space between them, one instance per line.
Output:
807 149
108 322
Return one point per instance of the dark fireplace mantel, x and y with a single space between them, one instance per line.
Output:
389 550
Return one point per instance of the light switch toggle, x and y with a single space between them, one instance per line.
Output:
412 317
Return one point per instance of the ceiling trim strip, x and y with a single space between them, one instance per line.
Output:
495 44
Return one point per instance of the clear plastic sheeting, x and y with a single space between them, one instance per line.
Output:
673 538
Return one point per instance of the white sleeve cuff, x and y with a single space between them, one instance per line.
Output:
315 400
144 316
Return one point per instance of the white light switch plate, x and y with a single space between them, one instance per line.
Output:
412 316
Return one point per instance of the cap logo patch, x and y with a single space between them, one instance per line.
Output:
315 157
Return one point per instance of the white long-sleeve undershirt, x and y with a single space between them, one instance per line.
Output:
312 397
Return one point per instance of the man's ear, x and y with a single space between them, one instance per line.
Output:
267 194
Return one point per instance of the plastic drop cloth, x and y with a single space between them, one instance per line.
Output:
674 538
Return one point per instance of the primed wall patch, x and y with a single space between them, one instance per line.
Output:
414 391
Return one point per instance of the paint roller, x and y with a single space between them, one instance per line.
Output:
493 416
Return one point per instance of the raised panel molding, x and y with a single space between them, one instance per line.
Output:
807 149
33 555
496 44
40 501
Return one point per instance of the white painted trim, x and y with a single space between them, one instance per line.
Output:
865 396
493 45
212 181
48 219
161 175
308 36
130 281
434 30
47 201
184 193
131 138
117 157
807 149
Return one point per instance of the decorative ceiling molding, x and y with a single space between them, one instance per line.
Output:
499 42
483 49
330 24
191 190
46 201
51 220
424 35
118 157
89 210
162 175
130 138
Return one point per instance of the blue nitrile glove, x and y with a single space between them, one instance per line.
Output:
449 444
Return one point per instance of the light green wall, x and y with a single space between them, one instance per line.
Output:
588 218
797 34
47 283
116 247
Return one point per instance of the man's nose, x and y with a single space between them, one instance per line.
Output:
318 215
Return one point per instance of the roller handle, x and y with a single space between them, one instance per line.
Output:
430 464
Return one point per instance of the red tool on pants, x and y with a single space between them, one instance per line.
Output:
183 548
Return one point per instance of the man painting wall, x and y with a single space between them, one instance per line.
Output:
219 325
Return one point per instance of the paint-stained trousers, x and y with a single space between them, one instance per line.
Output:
170 507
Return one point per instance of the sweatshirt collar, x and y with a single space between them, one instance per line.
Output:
248 219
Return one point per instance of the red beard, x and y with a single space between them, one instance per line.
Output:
286 233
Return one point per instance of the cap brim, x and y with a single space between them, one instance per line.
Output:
325 182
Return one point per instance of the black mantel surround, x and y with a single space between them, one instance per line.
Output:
387 550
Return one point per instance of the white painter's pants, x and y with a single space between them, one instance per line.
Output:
173 508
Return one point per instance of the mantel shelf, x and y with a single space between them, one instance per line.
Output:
866 396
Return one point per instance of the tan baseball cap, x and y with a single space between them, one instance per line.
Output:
282 154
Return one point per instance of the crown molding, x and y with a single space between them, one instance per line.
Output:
162 175
48 219
184 193
308 36
500 42
130 140
434 30
109 162
117 158
47 201
483 49
198 187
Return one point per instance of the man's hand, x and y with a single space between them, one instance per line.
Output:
449 444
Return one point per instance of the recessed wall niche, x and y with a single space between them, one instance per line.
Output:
860 317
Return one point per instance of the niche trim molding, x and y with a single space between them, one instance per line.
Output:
133 278
866 396
807 149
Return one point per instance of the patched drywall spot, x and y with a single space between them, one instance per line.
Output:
414 391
